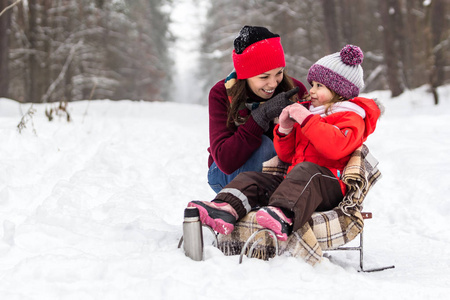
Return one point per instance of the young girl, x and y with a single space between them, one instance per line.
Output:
242 107
317 140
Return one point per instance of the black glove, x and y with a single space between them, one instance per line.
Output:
272 108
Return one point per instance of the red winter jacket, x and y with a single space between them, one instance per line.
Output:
231 147
328 141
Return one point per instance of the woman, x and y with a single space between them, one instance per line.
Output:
242 107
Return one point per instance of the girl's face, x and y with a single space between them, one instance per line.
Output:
264 85
320 94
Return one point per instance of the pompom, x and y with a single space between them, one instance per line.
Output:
352 55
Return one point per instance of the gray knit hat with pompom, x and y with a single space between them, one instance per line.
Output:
340 71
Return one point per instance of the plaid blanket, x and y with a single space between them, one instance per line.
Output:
325 230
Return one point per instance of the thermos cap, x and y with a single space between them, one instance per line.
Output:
191 212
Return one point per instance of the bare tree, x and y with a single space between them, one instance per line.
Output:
389 11
33 63
436 52
331 25
5 24
123 53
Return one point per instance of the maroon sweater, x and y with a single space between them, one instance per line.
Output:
231 147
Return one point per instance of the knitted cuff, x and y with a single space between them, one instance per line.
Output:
284 131
261 119
234 202
306 120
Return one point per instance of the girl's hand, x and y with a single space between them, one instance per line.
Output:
286 123
298 112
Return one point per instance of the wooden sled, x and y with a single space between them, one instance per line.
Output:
326 231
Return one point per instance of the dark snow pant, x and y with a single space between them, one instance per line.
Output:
307 188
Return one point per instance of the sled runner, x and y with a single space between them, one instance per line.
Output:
267 246
360 248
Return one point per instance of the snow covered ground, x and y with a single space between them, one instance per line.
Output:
93 209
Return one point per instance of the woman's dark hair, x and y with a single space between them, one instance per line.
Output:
238 93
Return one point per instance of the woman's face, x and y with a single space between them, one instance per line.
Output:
264 85
320 94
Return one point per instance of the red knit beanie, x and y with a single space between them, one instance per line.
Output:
257 50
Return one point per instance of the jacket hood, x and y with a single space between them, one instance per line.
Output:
373 109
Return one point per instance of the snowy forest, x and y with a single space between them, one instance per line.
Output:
93 208
67 50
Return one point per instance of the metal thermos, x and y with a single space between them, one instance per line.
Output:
192 234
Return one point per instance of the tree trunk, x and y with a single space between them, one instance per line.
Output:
437 52
403 43
33 65
45 72
5 24
390 47
331 28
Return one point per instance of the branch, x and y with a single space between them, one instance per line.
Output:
89 100
10 6
28 116
62 73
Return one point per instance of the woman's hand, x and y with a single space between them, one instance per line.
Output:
272 108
